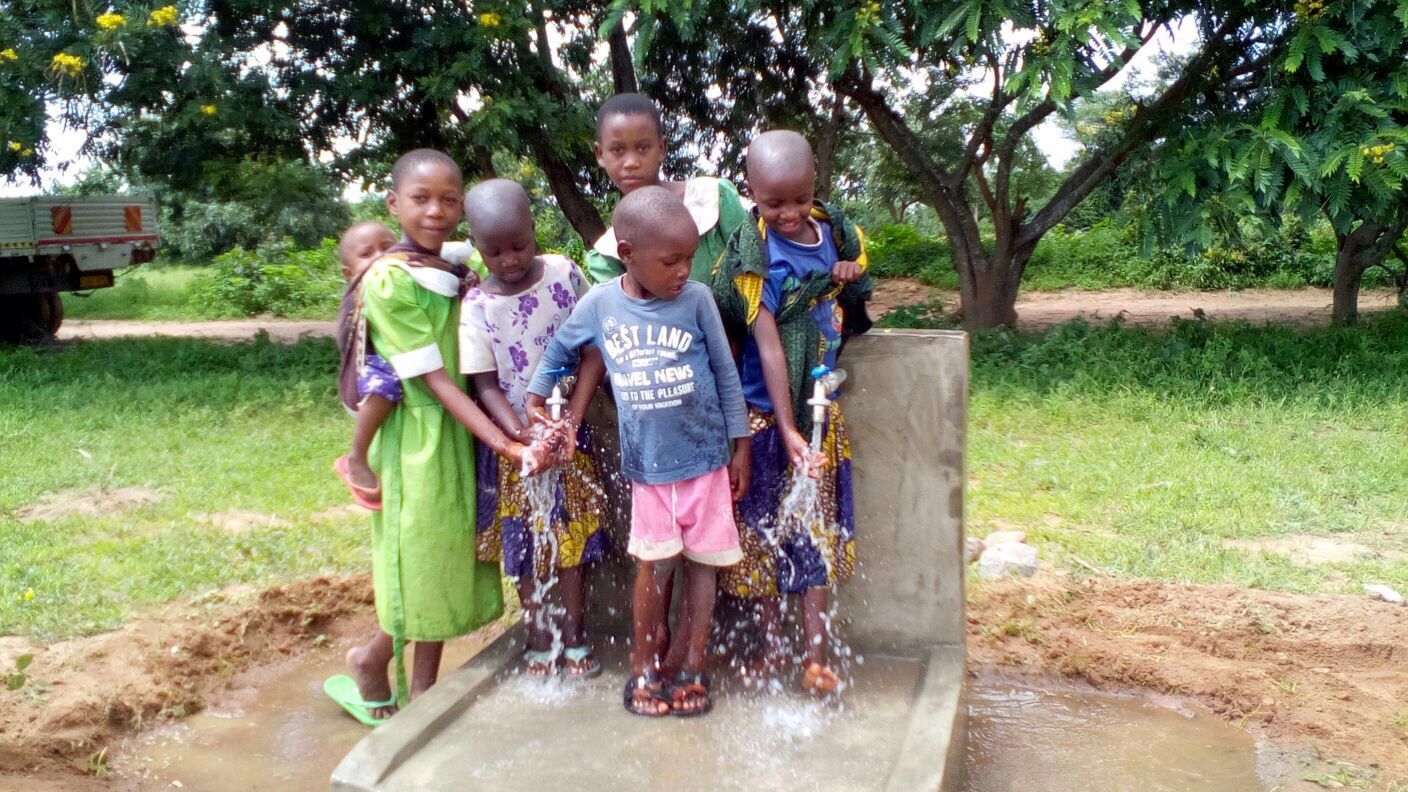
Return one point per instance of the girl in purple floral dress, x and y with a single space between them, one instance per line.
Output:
505 324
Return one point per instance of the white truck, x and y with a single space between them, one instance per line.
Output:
55 243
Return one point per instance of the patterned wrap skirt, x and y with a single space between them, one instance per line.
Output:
504 529
780 554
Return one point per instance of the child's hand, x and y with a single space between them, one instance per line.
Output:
531 460
739 467
846 272
801 455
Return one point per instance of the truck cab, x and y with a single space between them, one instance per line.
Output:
52 244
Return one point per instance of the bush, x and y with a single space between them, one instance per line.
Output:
277 279
900 251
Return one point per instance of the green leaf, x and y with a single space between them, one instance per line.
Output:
15 681
975 21
1295 53
953 20
22 662
1355 164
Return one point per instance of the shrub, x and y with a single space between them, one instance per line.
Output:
277 279
900 251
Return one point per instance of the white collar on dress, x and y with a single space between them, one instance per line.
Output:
701 198
443 283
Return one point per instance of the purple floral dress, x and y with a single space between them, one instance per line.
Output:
509 334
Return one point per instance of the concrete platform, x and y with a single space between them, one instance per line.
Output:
489 729
900 727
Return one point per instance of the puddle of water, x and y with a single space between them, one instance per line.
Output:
275 730
1023 738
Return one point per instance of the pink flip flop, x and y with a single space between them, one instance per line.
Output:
361 495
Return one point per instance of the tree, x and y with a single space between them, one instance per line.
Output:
292 79
1323 131
1038 61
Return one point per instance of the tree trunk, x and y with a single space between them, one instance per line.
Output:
623 67
826 147
575 205
1355 253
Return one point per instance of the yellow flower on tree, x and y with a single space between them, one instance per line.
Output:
26 152
15 145
9 54
111 21
489 19
207 109
67 65
163 17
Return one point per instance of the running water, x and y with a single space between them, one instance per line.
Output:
540 495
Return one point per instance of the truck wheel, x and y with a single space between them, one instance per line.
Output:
30 318
50 313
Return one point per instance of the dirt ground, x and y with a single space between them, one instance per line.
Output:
1043 309
83 695
1322 672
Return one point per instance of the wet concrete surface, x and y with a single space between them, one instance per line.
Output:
528 734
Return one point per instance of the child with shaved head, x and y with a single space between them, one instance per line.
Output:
684 434
796 279
506 322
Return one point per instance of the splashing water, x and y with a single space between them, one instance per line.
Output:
540 494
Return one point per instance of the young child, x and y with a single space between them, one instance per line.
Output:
369 389
680 408
796 280
630 148
505 324
428 584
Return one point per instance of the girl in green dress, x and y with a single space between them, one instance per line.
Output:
429 584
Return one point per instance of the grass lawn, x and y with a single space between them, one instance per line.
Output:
250 427
1134 452
141 293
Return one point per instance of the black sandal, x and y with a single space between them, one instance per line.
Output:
698 684
651 684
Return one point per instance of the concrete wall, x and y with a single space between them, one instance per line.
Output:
906 406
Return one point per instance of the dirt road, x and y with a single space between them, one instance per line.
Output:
1034 310
1043 309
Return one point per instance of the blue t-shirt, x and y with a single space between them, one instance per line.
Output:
789 263
678 400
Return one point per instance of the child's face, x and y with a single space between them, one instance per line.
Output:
428 204
361 246
660 261
508 251
630 150
784 200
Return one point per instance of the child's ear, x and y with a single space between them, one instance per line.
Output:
596 149
623 251
391 202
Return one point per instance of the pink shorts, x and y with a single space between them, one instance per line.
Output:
693 517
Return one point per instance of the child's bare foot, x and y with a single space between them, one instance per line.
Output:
689 696
645 695
821 680
539 664
371 681
368 496
578 662
361 474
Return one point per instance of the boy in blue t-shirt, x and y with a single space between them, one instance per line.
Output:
684 434
796 280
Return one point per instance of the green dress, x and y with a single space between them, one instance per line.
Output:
429 584
717 211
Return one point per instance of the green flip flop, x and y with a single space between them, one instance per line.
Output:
343 690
